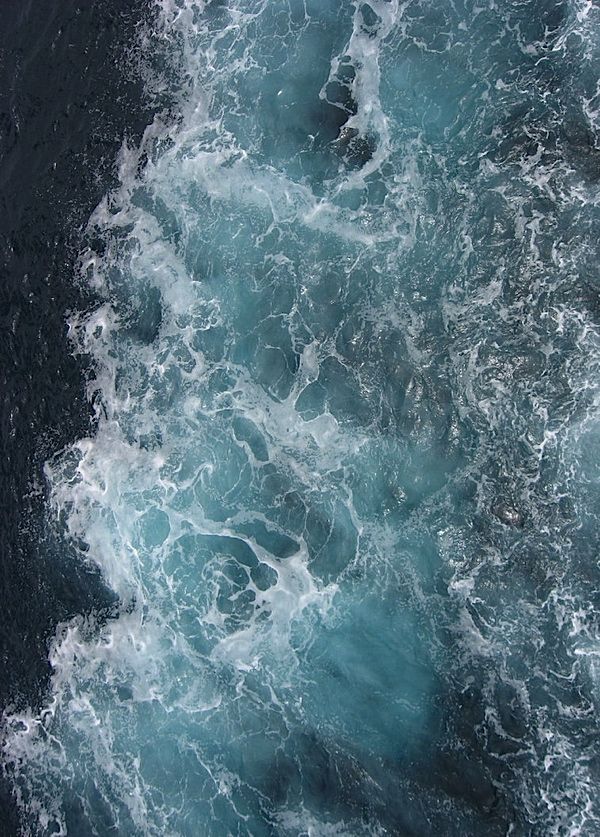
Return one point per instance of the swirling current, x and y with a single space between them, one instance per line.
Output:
344 477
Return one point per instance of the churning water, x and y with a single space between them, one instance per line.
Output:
344 479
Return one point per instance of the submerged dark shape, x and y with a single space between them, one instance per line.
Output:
508 515
355 148
582 148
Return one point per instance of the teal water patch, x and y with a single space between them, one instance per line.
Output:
345 375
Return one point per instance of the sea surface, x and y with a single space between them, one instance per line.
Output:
326 500
66 102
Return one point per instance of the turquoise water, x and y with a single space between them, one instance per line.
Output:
344 478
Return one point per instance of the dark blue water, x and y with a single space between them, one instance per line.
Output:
66 101
342 356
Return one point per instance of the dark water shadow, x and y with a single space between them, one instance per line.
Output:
66 101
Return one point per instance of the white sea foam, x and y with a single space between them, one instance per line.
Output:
343 394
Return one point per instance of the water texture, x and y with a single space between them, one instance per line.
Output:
344 478
65 105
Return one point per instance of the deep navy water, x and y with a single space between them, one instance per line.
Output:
65 105
300 347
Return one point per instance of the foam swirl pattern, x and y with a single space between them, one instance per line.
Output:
344 479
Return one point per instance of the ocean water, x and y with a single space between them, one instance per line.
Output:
343 481
65 104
